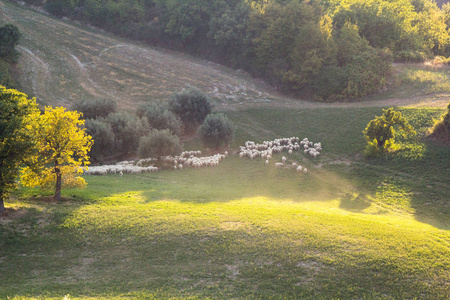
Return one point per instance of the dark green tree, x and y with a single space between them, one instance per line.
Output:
216 131
16 142
9 38
192 106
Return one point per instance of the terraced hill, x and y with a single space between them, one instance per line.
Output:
62 62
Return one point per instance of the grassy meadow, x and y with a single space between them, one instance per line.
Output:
351 228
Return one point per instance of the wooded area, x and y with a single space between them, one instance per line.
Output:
330 49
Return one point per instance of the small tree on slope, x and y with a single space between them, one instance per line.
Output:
380 132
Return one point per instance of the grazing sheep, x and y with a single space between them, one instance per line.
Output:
305 170
299 168
267 162
294 165
279 165
121 174
283 159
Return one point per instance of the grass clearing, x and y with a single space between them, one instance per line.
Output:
350 228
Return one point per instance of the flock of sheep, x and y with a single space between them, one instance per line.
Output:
194 159
268 148
146 165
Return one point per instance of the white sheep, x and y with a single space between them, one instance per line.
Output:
266 162
299 168
279 165
305 170
283 159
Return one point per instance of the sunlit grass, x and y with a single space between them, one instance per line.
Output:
350 228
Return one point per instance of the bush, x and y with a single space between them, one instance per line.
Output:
380 132
103 136
60 8
159 117
410 57
191 106
9 38
95 108
128 129
159 143
5 75
441 129
216 131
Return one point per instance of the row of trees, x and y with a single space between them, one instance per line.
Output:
155 128
333 49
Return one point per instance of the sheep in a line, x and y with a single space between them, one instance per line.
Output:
120 169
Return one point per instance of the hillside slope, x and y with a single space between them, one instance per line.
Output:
62 62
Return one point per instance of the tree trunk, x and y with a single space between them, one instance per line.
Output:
2 205
58 185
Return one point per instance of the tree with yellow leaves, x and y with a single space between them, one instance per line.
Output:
62 153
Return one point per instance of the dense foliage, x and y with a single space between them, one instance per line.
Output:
216 131
441 130
16 142
104 139
192 106
159 116
62 150
159 143
95 108
333 49
380 132
9 38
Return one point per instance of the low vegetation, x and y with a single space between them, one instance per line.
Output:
441 129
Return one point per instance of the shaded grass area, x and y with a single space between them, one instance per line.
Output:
412 80
350 228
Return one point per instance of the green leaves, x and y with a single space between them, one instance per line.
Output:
380 132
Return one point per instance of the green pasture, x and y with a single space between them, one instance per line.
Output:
351 228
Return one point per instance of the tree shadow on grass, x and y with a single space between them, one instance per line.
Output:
355 202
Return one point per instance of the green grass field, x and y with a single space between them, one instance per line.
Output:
352 228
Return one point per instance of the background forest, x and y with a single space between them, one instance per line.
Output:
328 49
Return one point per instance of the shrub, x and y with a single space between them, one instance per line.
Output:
5 75
103 136
59 8
159 143
159 117
380 132
441 129
9 38
95 108
192 106
216 131
410 57
128 129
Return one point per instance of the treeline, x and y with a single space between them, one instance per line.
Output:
330 48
